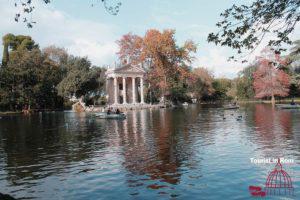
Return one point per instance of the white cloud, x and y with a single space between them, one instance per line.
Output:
216 60
80 37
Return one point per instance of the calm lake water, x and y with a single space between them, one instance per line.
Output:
183 153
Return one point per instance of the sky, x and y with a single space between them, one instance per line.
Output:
86 30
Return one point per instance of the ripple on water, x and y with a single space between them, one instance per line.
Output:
194 153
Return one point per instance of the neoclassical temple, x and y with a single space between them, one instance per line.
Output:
125 85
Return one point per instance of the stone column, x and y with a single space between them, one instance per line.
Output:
142 89
116 90
124 90
133 90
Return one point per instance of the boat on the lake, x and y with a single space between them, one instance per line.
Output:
104 115
231 107
185 104
288 106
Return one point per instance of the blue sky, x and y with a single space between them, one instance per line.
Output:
90 31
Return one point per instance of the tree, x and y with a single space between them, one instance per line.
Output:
294 57
294 66
244 27
29 80
201 84
7 41
56 54
14 43
295 50
130 48
36 79
166 63
221 86
81 79
270 81
244 82
27 8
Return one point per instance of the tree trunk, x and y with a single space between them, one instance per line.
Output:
273 100
5 57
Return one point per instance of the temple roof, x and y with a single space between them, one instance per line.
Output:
126 70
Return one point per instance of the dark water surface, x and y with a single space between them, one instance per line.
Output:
179 153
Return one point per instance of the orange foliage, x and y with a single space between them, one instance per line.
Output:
158 52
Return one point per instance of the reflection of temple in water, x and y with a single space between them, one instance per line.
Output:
155 143
151 149
149 153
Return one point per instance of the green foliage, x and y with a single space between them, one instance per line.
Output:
29 80
221 87
178 93
244 27
80 79
42 79
16 43
5 54
244 83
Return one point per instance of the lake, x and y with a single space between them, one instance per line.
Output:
182 153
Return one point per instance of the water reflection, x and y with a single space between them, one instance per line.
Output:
40 146
167 153
274 130
152 149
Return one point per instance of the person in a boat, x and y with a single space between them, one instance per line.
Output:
108 111
118 111
293 102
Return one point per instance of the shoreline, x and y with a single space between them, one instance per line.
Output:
31 111
296 100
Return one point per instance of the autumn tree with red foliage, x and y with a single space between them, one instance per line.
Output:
130 48
269 79
167 63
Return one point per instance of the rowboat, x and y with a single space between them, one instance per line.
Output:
104 115
231 107
288 106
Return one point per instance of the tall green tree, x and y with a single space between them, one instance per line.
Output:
30 80
81 79
221 86
244 82
15 43
41 79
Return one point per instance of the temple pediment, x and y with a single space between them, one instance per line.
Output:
129 68
126 70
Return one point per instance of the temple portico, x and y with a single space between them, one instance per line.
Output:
125 86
